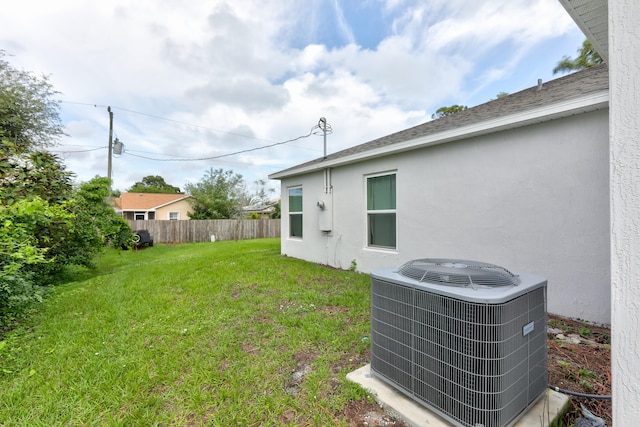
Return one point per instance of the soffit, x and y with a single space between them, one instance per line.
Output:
592 18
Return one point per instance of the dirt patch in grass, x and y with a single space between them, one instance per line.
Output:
364 413
303 359
334 309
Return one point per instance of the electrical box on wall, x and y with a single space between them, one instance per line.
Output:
325 213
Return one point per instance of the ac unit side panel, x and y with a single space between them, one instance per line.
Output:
391 333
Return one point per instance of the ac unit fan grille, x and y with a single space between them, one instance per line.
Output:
458 273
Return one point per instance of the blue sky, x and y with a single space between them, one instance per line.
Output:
199 79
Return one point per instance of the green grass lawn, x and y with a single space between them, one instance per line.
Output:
225 333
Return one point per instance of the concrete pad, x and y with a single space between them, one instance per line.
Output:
544 412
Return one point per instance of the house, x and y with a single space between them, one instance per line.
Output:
148 206
611 26
521 181
262 209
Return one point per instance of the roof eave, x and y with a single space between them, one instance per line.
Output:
591 102
171 202
592 17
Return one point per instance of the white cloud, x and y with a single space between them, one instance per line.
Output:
257 69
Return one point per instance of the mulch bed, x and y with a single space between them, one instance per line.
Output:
583 367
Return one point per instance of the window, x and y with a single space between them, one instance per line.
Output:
174 216
295 212
139 216
381 211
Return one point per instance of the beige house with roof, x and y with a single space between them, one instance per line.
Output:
153 206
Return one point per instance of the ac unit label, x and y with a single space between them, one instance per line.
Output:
528 328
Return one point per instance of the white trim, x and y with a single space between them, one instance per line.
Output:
379 211
171 202
591 102
145 213
289 213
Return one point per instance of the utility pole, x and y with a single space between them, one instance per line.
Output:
110 144
322 123
326 128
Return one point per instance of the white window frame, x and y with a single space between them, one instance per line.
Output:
173 219
143 213
369 212
295 213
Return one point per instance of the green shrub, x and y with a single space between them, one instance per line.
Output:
26 230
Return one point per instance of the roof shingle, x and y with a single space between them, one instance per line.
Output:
145 201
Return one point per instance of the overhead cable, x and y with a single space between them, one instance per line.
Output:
77 151
311 132
169 120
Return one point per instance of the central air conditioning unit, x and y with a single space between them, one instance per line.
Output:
466 339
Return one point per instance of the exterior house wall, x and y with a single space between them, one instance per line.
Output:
624 49
531 199
182 207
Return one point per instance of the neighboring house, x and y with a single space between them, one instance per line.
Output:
264 208
521 181
145 206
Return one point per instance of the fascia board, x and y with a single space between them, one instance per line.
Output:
590 102
171 202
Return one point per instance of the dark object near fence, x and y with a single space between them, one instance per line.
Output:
142 238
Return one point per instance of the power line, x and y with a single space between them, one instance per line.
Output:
77 151
326 129
191 124
311 132
168 120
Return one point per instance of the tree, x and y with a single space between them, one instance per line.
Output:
38 238
96 224
587 57
29 116
262 193
502 95
447 111
276 214
35 188
44 223
30 174
25 229
153 184
218 195
39 179
29 121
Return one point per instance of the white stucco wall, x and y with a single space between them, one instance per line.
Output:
534 199
624 66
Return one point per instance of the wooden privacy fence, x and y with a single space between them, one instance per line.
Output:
188 231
